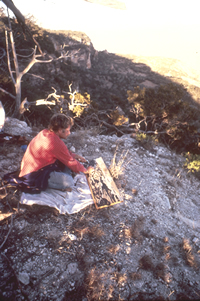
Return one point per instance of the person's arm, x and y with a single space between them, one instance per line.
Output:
61 152
83 160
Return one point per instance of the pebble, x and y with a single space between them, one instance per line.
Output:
72 268
195 240
72 149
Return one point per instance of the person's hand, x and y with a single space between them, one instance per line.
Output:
89 170
80 159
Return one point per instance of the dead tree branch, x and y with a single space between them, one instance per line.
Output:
13 8
11 224
26 56
3 53
103 122
17 79
21 20
18 75
8 57
25 105
6 92
71 106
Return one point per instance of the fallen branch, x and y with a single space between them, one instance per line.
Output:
11 224
112 126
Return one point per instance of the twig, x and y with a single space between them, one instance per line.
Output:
4 91
37 76
112 126
11 224
4 53
26 56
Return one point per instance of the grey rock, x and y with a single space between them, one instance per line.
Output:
13 126
24 278
72 268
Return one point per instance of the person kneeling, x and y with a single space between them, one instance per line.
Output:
47 162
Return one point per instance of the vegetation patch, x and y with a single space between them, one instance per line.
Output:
165 113
192 163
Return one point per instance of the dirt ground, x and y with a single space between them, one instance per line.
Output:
145 248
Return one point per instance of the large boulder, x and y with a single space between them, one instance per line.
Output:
14 126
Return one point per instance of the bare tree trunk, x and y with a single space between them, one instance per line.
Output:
19 74
21 20
13 8
17 80
16 113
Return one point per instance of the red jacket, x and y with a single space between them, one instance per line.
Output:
45 149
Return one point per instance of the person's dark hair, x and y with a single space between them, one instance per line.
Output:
60 121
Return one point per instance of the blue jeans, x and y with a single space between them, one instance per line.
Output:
61 180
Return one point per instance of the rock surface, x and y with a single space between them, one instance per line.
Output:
13 126
145 248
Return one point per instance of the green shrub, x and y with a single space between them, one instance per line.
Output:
166 112
81 102
118 118
144 138
166 100
192 163
141 136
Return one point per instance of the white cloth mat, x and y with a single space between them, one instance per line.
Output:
65 202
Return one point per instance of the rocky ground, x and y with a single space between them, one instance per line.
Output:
145 248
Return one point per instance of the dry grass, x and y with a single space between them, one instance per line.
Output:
117 169
135 276
96 232
167 256
161 271
99 285
165 239
146 263
128 233
80 227
113 249
189 256
134 231
166 249
81 232
136 228
121 278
